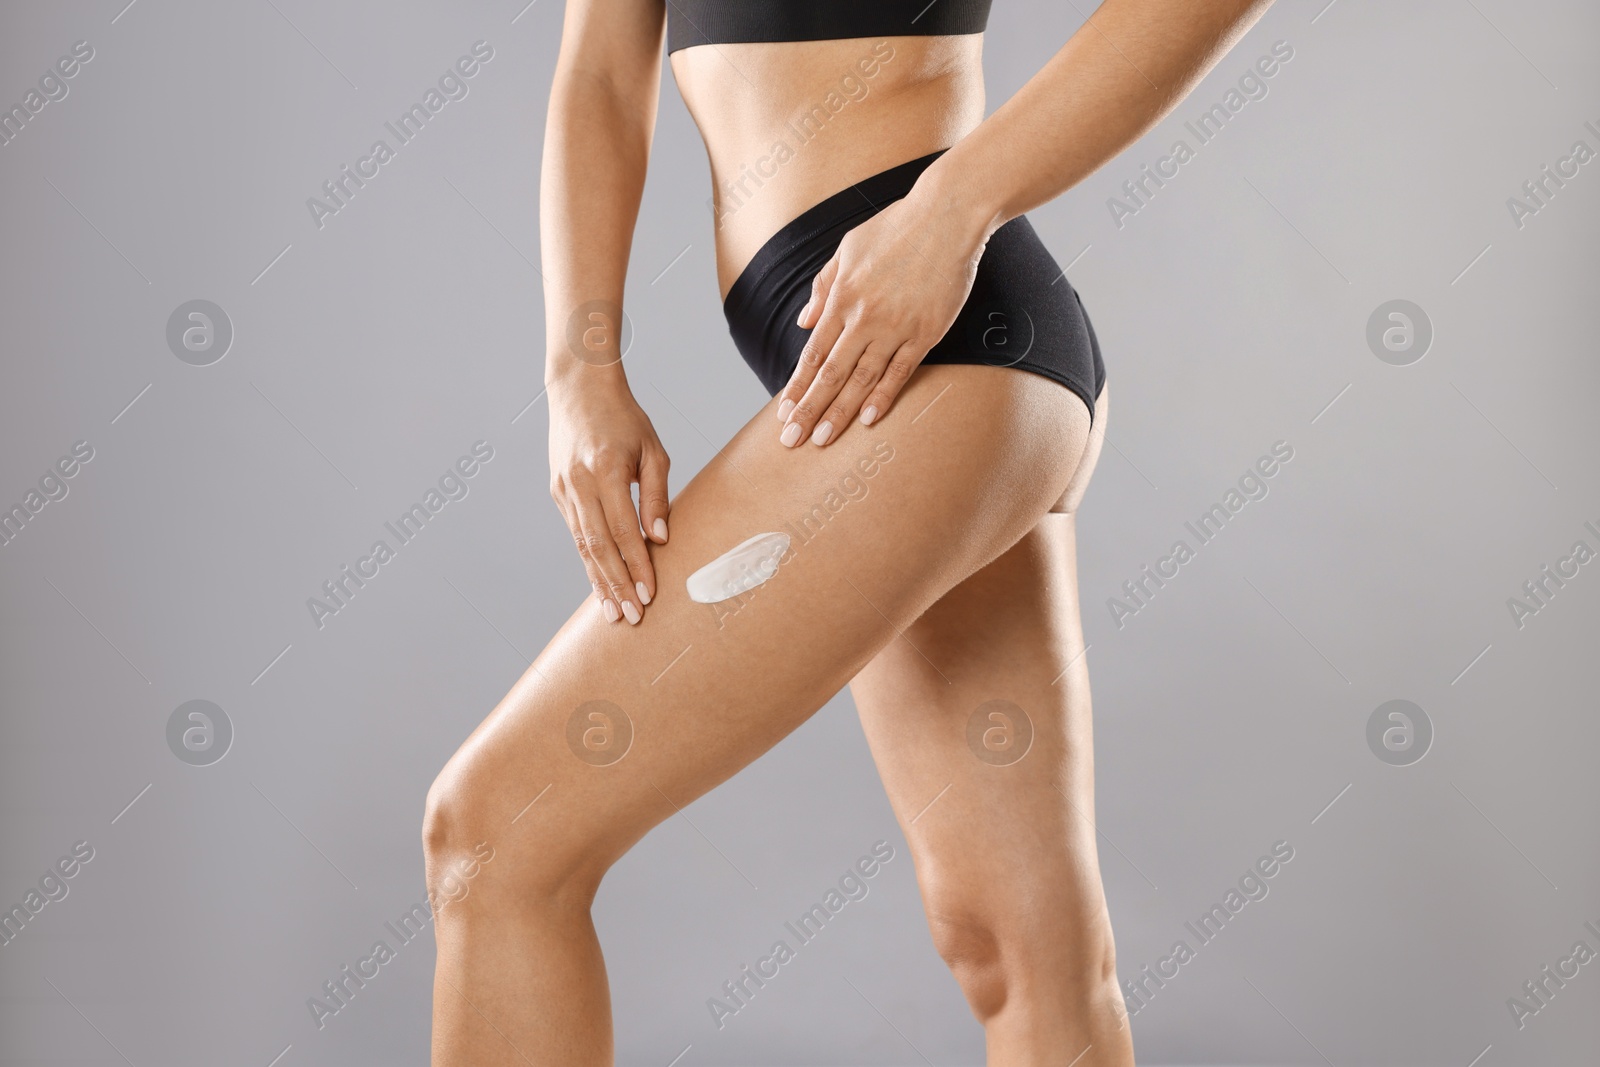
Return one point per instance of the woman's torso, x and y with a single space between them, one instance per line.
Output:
787 124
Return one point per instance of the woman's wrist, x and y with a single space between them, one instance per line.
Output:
959 196
566 377
584 344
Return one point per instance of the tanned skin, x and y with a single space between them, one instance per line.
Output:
949 584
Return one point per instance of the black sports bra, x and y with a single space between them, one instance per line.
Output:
692 22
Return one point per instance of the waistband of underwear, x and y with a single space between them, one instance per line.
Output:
845 208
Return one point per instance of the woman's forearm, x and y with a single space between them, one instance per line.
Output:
1121 73
597 147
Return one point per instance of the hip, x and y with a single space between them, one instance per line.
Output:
1021 312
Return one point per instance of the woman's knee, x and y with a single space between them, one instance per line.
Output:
971 948
478 848
452 815
455 834
1001 944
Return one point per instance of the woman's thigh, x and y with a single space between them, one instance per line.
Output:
1091 455
614 727
981 728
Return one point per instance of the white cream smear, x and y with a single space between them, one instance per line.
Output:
738 570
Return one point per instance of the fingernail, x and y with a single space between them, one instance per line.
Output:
868 414
784 408
660 529
644 594
611 611
631 612
820 435
791 435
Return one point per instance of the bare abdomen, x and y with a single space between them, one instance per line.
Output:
786 125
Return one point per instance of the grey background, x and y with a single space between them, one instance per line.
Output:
1231 711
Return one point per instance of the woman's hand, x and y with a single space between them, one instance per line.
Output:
601 443
888 295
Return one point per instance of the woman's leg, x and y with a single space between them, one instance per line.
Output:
533 809
982 735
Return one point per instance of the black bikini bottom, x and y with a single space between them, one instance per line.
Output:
1022 312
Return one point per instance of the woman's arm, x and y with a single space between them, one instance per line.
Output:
1121 73
898 281
597 144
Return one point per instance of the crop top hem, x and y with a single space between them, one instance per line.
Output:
697 22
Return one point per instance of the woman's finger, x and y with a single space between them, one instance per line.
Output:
812 356
894 378
561 493
809 418
622 523
857 386
831 376
591 569
600 556
821 286
653 502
